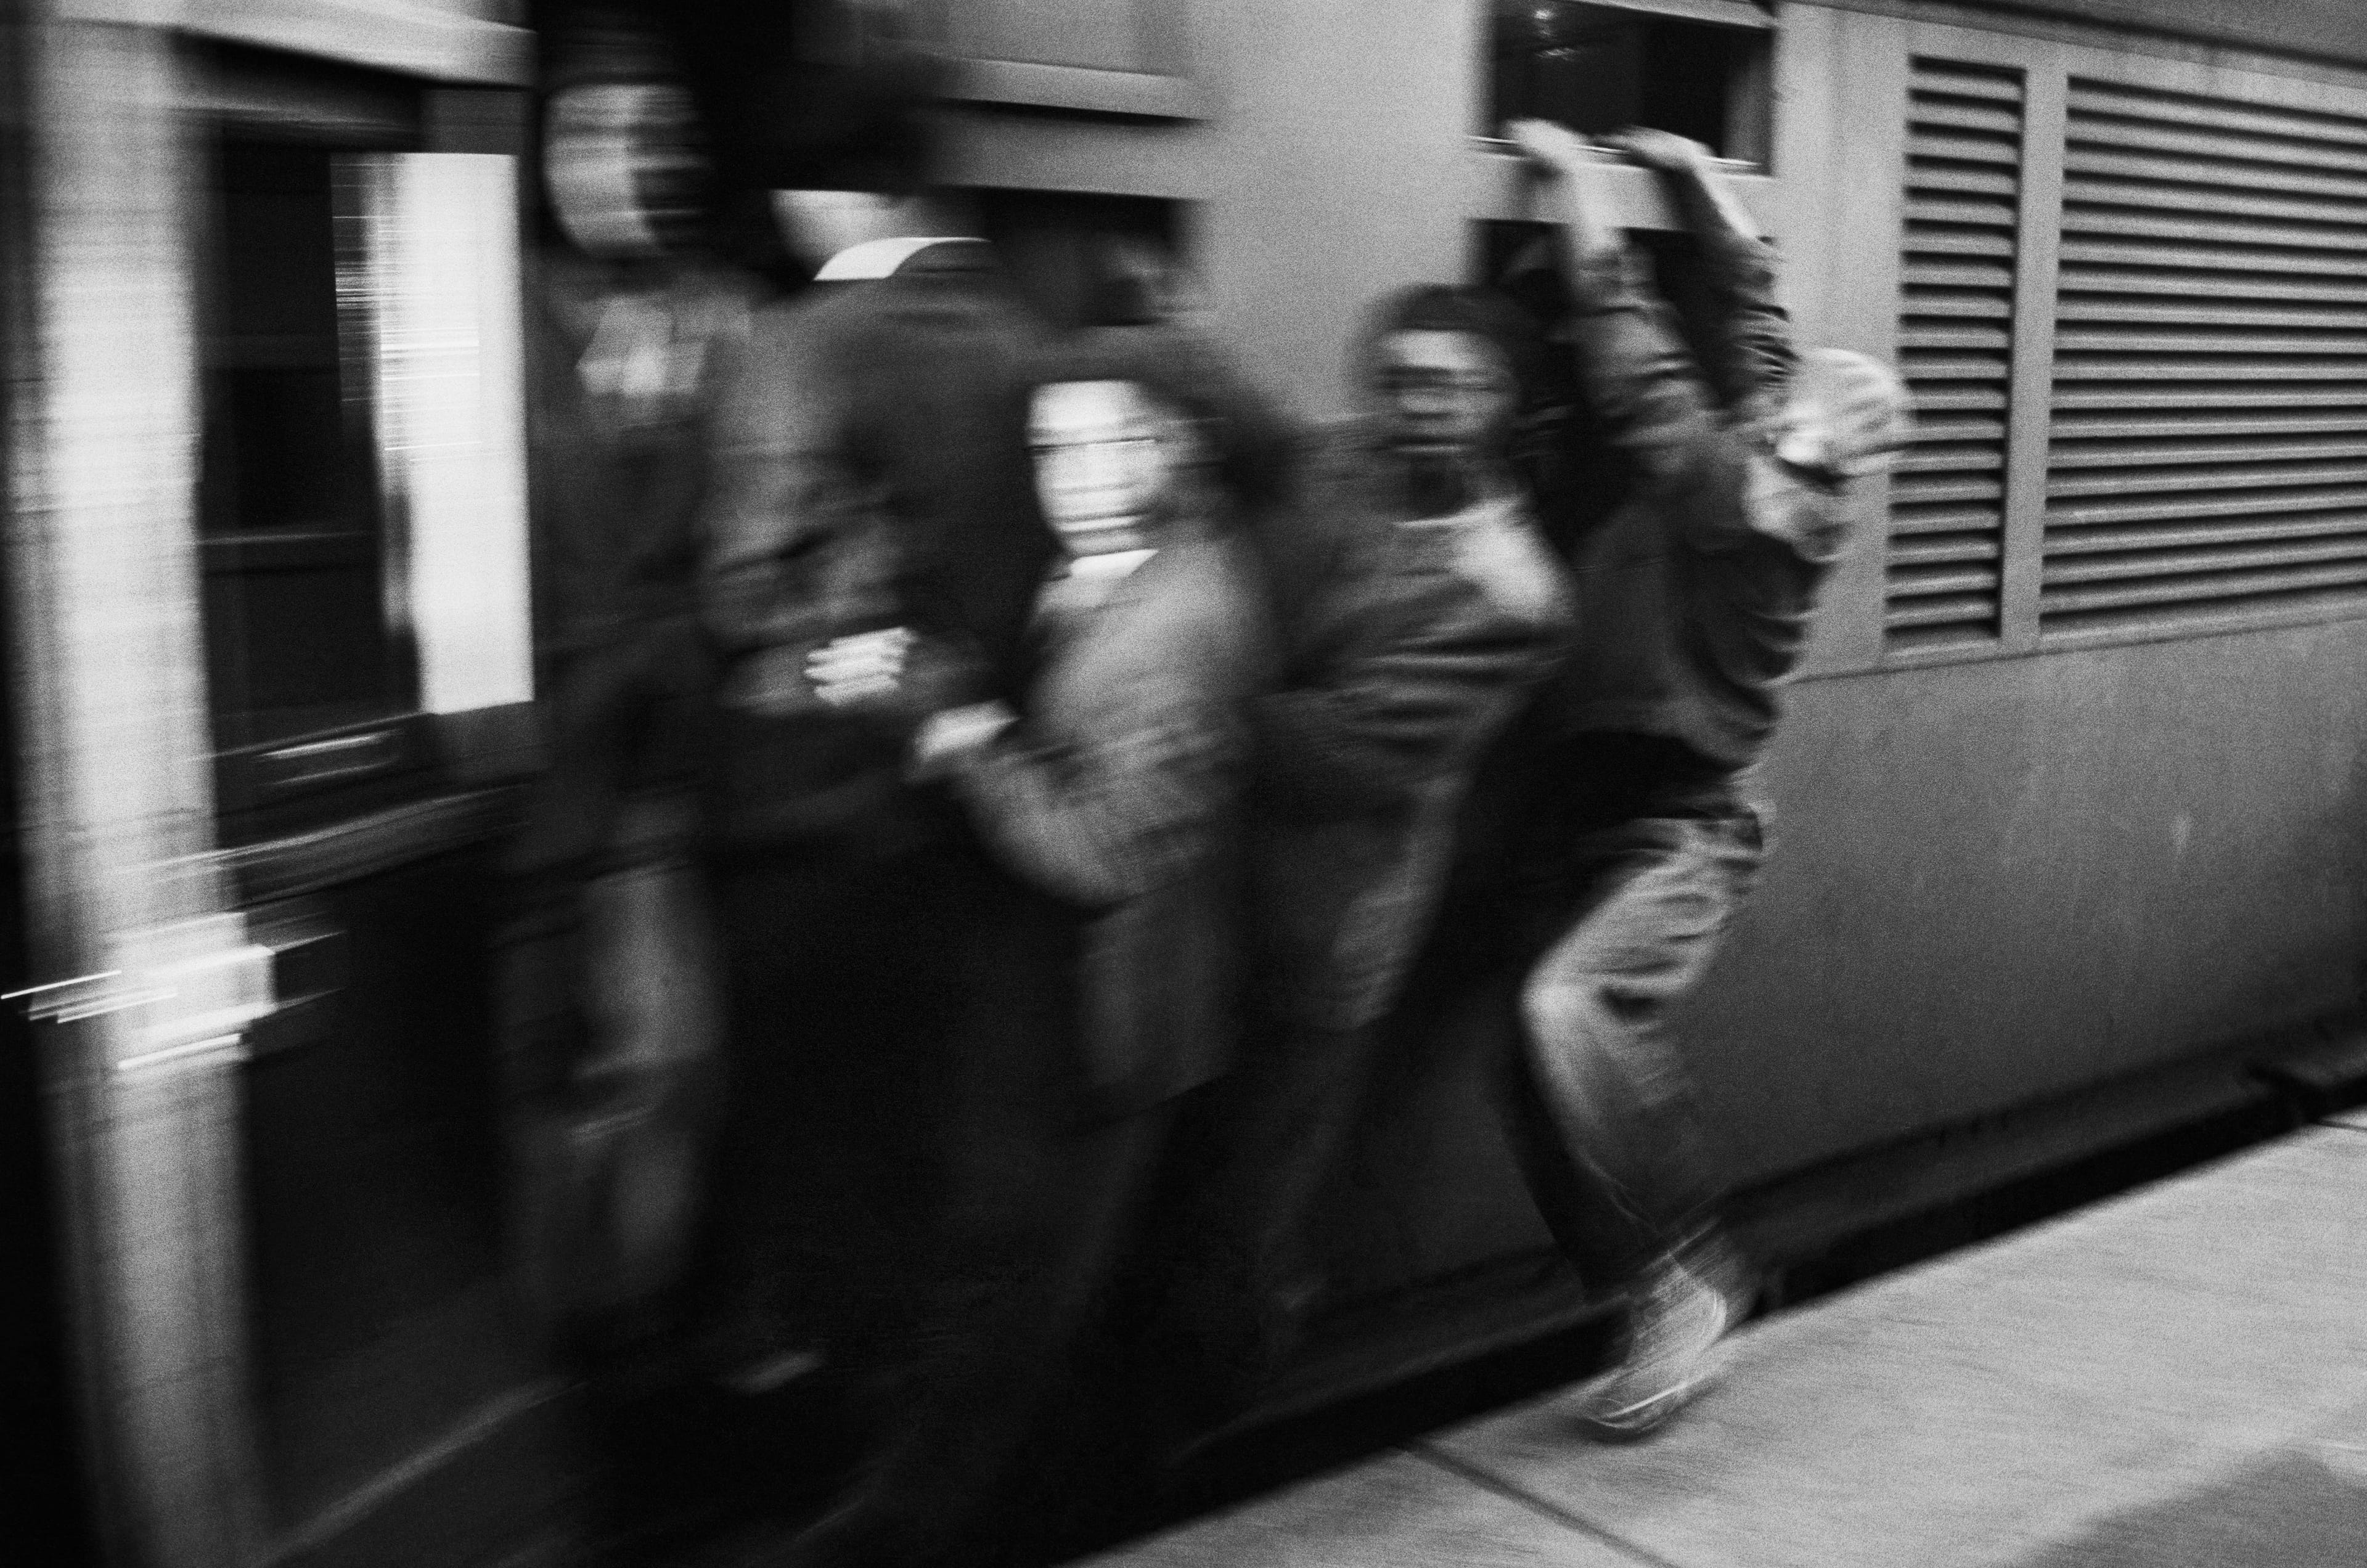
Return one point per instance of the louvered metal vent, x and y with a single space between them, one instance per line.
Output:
1956 329
2209 453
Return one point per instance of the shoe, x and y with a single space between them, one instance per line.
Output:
1673 1353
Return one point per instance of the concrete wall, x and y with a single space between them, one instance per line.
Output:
1346 119
1995 881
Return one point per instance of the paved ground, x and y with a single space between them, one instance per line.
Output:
2175 1378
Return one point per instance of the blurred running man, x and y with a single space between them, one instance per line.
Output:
872 555
1637 840
609 980
1419 606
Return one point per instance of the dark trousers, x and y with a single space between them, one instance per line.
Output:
845 989
999 1385
910 1174
1218 1292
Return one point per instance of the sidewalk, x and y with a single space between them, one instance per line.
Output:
2175 1379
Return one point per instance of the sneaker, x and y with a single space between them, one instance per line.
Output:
1673 1353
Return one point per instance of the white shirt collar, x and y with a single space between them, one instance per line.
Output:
879 258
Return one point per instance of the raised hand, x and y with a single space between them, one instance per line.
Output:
1662 150
1557 147
1705 200
1586 206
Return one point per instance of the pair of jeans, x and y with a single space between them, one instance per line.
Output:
1603 1104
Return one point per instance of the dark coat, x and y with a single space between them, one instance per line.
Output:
1120 793
1693 607
1401 667
871 471
618 481
606 982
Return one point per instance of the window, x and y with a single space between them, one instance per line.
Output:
1694 67
360 494
441 283
1100 56
293 538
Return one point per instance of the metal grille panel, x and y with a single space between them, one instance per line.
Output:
2208 460
1956 336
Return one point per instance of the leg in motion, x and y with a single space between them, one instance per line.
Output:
1604 1109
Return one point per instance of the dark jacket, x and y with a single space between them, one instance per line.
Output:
605 979
1401 667
872 470
1692 611
1120 793
618 477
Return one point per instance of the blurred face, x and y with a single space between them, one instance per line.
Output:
624 166
1441 395
1103 459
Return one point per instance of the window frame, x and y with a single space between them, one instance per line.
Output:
454 40
265 788
1171 91
269 785
1497 187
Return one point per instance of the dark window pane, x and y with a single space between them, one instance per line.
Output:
289 508
1598 68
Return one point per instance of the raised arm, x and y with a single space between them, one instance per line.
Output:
1104 817
1748 339
1634 368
